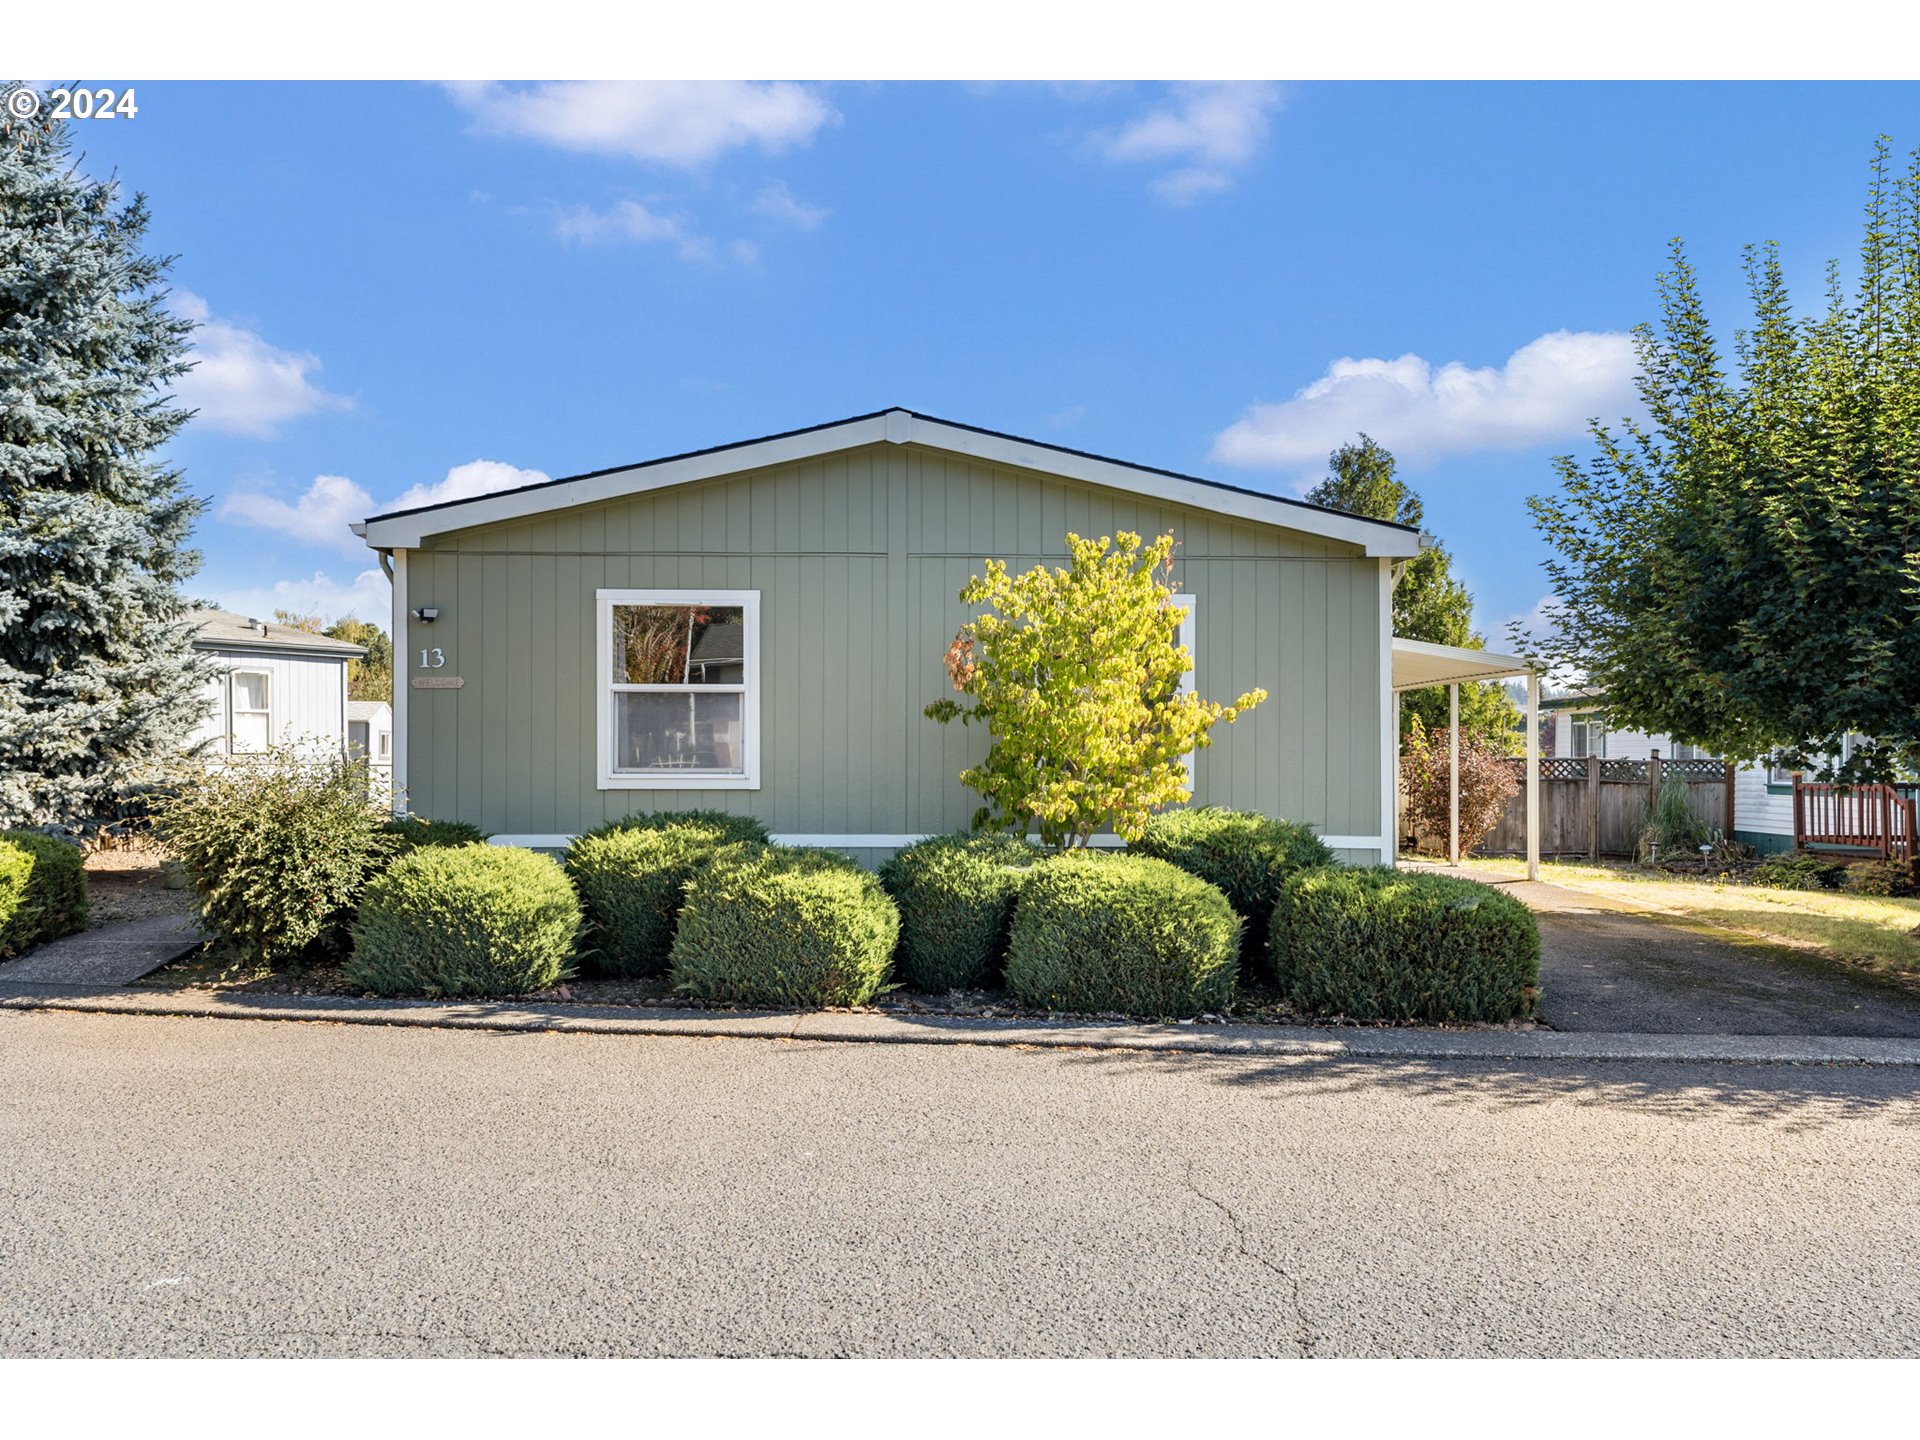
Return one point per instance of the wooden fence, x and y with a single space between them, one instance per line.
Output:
1596 807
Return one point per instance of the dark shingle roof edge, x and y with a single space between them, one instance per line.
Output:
875 415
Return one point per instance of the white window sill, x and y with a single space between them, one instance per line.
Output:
680 780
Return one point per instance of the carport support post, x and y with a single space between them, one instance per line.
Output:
1533 774
1453 773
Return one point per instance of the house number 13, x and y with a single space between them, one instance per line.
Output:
433 659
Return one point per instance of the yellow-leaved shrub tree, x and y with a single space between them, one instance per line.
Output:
1076 674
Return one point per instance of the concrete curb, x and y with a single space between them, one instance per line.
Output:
1241 1040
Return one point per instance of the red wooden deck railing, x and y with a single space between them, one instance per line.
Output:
1875 818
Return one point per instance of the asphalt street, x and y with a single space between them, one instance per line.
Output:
175 1186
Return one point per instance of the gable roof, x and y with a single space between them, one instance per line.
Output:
368 710
230 630
405 529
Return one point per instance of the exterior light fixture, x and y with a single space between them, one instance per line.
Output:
427 614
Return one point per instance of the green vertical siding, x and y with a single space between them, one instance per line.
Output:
859 559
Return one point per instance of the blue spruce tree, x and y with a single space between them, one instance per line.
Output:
99 687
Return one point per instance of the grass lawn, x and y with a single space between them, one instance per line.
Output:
1864 930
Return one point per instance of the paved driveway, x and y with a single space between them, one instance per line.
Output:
173 1186
1606 967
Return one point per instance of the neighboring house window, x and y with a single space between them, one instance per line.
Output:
679 702
386 744
1688 752
249 716
1586 735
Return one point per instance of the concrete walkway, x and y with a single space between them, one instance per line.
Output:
1608 967
111 955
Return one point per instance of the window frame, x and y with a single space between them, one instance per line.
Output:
606 727
1188 636
233 708
1581 723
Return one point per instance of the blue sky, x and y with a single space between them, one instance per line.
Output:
412 290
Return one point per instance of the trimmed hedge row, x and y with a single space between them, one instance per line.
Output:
1123 933
414 831
465 920
1248 856
43 890
1383 944
956 895
784 927
738 829
632 882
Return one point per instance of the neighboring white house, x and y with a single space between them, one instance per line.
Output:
1576 726
276 683
370 737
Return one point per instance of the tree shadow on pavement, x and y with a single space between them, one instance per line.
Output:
1793 1097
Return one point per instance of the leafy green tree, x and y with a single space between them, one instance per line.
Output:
99 684
371 678
1741 570
1428 602
1076 675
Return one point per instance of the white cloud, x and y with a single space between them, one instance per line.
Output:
630 220
777 202
1206 133
319 517
1547 391
367 597
322 513
239 382
683 123
463 482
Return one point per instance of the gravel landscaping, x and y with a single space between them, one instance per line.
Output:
129 882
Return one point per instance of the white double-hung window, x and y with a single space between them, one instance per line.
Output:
249 712
679 689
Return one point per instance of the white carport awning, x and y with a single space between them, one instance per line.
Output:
1417 664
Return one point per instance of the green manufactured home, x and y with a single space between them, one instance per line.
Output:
758 627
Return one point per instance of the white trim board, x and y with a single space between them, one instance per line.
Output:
894 842
402 674
894 427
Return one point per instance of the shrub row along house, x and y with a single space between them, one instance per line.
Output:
758 628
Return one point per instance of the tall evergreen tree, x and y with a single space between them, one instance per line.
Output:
98 684
1428 602
1742 569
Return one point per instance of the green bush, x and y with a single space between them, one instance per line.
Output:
1127 933
1248 856
1384 944
1800 870
279 847
743 829
43 890
784 927
955 894
465 920
1881 877
414 831
632 882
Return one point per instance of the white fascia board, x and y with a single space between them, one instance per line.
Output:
897 427
1378 540
409 530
